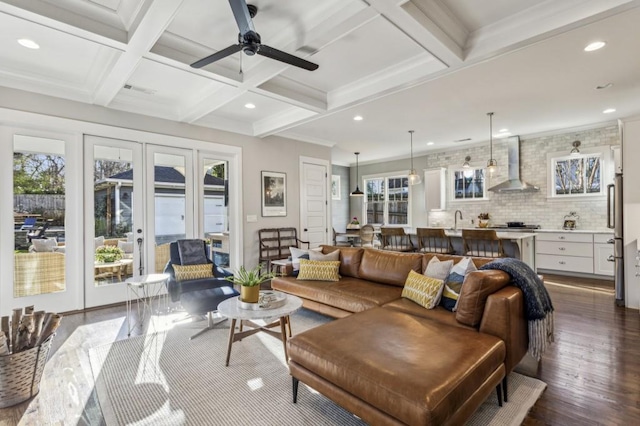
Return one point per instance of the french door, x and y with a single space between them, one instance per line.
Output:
39 238
114 202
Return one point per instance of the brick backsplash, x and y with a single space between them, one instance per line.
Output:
531 208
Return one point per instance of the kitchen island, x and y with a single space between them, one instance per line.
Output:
520 245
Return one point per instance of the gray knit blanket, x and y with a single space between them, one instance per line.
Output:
538 306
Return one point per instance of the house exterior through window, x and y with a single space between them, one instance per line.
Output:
468 184
387 200
577 175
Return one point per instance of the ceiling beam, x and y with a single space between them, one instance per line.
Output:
148 26
331 29
419 27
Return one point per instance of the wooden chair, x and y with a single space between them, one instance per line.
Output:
395 239
368 237
434 240
340 242
482 242
275 243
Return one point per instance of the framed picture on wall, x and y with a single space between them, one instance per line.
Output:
274 193
335 187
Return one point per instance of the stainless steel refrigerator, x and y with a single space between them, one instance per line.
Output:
614 221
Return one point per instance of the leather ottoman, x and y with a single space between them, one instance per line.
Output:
390 367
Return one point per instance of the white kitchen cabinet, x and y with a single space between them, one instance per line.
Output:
585 253
434 189
564 251
602 251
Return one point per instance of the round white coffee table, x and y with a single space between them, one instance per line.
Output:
231 309
145 289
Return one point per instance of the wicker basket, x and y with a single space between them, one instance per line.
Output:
20 374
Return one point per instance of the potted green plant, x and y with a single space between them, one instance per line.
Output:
249 282
108 254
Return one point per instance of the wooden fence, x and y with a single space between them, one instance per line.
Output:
48 205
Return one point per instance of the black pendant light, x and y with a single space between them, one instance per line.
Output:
357 192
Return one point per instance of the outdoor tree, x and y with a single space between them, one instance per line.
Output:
38 173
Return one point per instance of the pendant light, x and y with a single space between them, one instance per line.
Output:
576 150
414 178
466 164
492 164
357 192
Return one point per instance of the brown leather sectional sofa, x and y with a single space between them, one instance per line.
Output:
389 360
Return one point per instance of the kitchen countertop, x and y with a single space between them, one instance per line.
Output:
502 235
577 231
508 235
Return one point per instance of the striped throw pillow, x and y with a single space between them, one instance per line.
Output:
317 270
423 290
193 272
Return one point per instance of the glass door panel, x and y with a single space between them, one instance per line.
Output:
215 184
40 275
172 201
113 200
38 206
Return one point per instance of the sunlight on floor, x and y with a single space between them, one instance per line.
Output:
588 289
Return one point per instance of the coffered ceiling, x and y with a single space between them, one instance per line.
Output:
434 66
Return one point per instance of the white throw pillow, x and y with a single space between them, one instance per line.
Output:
45 245
438 269
463 267
98 241
330 257
296 253
125 246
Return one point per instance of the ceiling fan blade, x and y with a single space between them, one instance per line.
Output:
217 56
242 15
281 56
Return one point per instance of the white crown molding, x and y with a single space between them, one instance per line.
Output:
307 139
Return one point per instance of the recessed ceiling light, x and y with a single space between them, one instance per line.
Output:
29 44
609 110
594 46
604 86
358 118
430 143
503 130
249 105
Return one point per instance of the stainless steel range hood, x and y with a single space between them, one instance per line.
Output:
514 184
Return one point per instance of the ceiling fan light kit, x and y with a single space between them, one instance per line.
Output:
250 43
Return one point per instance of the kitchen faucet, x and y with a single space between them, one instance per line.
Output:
455 218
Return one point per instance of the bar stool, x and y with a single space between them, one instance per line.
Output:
395 239
434 240
482 242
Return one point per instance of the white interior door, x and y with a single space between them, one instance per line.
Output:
313 201
114 203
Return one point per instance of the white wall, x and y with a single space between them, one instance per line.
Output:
631 195
271 153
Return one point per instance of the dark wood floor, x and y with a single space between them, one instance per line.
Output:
592 370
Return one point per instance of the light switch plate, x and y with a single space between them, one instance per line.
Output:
252 218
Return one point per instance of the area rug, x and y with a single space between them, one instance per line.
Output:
166 379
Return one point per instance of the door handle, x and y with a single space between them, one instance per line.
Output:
610 208
305 230
611 259
611 241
